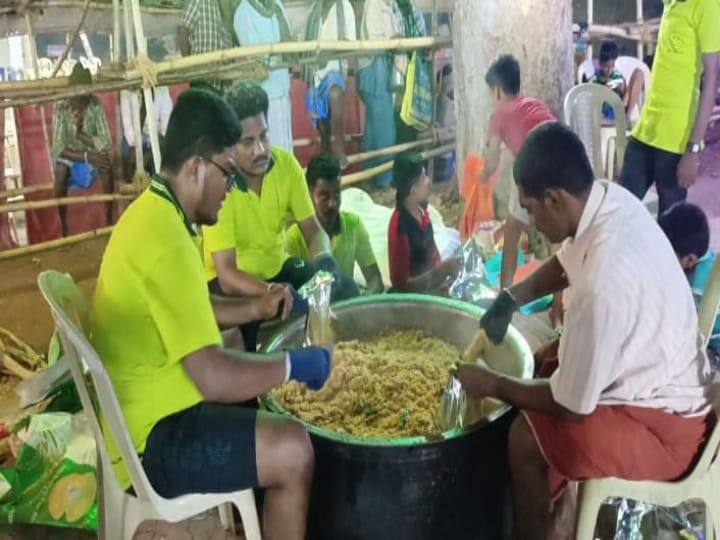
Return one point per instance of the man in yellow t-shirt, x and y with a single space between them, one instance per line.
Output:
156 330
348 236
245 251
665 143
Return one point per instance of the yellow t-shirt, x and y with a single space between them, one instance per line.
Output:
151 309
255 225
349 245
688 30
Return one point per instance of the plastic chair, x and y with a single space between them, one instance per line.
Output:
703 481
582 112
627 65
121 513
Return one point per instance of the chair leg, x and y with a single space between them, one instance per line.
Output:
248 512
587 512
227 519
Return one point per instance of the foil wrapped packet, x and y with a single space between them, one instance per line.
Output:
318 325
471 283
453 405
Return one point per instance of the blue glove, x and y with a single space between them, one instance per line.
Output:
310 365
326 262
300 304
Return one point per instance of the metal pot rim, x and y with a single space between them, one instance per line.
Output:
514 338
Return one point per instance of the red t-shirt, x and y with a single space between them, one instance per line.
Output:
400 256
513 120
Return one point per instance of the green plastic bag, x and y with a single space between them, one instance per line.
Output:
54 480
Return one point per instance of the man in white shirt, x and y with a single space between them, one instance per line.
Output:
628 396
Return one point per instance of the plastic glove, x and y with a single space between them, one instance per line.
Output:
497 318
326 262
310 365
300 305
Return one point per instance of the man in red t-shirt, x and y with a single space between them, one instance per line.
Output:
513 118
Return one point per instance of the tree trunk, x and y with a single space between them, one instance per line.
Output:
537 32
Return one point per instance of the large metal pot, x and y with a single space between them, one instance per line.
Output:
411 488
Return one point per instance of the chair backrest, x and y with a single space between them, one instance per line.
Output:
710 303
627 65
71 315
582 112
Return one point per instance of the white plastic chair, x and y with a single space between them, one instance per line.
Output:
703 482
582 112
121 513
627 65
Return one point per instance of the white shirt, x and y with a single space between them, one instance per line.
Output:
630 333
163 108
514 208
329 31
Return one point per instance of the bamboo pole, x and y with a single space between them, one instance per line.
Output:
18 93
51 244
389 150
150 116
295 47
25 190
63 201
43 118
134 105
367 174
70 43
75 4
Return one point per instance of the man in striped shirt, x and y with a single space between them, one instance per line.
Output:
626 396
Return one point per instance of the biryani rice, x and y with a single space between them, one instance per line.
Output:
386 387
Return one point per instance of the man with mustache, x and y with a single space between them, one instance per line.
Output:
625 396
245 251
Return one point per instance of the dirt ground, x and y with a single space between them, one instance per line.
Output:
22 309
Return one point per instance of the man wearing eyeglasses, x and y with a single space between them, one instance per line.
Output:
156 330
245 252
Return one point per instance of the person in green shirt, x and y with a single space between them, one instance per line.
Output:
155 328
667 140
348 236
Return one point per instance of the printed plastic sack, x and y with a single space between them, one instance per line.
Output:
416 109
54 480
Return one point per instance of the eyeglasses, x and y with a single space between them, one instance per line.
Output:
228 174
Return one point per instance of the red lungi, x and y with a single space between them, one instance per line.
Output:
632 443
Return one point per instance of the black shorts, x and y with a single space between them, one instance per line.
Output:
208 448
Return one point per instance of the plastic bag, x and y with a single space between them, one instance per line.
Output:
54 480
318 325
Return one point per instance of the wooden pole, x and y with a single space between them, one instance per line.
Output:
294 47
52 244
367 174
390 150
25 190
63 201
639 9
43 118
150 115
118 168
70 43
137 125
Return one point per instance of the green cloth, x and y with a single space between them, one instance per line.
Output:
94 124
